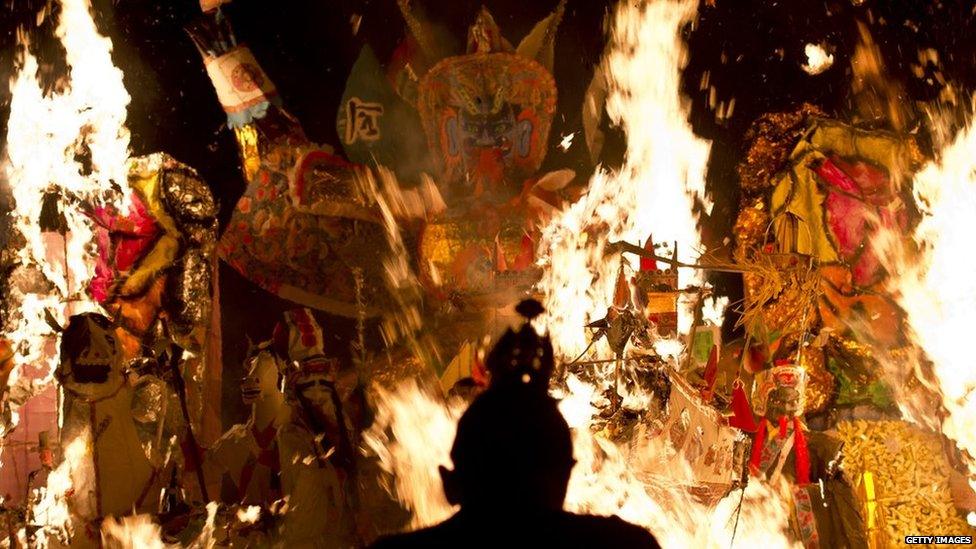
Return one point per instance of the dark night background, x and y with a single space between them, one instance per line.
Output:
753 51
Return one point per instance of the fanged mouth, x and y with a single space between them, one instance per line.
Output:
90 372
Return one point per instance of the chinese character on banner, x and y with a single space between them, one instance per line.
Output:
362 121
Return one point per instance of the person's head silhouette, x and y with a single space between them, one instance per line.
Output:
523 357
513 452
513 455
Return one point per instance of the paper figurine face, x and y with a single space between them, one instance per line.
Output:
488 117
784 401
262 377
779 391
486 112
91 356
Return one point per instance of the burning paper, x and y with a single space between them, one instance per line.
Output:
630 480
63 149
659 191
936 287
818 60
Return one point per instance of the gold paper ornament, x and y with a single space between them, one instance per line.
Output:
820 382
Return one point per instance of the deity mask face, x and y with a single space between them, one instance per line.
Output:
487 112
491 131
262 377
490 144
488 117
91 357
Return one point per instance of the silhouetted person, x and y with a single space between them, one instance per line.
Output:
512 461
512 456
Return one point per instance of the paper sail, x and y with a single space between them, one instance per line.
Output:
697 433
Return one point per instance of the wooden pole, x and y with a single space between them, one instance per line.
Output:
626 247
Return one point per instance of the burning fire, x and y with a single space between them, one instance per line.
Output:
71 479
657 191
142 531
132 531
936 286
422 430
818 60
64 148
628 480
72 144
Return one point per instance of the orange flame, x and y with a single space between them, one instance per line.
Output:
47 138
936 287
657 191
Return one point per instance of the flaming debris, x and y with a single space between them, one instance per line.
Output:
875 96
638 481
818 60
936 286
63 149
658 191
411 436
567 141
